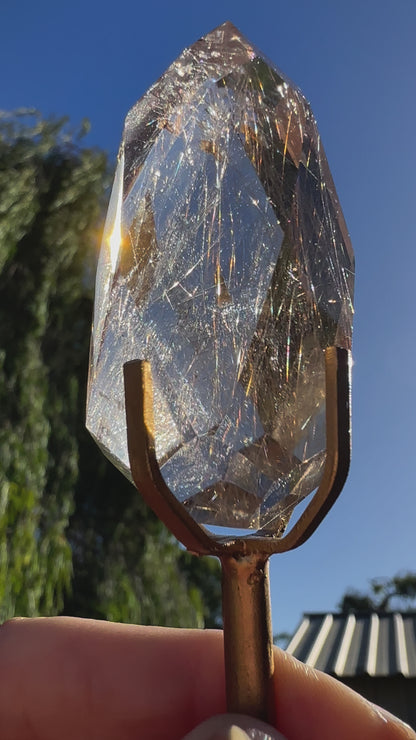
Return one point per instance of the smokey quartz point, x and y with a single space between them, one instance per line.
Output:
227 264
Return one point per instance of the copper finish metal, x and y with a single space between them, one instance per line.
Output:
248 643
143 464
247 630
149 481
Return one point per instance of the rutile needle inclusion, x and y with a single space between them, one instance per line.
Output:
227 264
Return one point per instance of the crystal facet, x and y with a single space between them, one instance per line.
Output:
226 262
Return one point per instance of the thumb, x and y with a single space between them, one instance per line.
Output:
234 727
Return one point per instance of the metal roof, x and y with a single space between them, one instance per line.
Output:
359 644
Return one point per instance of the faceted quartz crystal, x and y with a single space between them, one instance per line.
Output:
227 264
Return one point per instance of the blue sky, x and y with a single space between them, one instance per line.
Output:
356 63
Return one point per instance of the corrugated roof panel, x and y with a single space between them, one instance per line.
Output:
344 646
330 648
358 644
385 664
296 640
320 640
409 627
372 646
402 662
303 649
356 662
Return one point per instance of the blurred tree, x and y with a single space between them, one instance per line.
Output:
282 639
384 595
75 536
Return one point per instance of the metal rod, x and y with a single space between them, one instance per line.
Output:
248 644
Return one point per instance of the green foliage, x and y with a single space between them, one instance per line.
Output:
384 595
74 535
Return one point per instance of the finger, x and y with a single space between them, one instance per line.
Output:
93 680
313 706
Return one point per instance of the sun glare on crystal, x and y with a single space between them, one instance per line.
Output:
115 236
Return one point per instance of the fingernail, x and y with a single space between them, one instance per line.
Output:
234 727
236 733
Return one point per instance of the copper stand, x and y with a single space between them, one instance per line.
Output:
248 643
246 606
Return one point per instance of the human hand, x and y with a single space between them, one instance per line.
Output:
76 679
